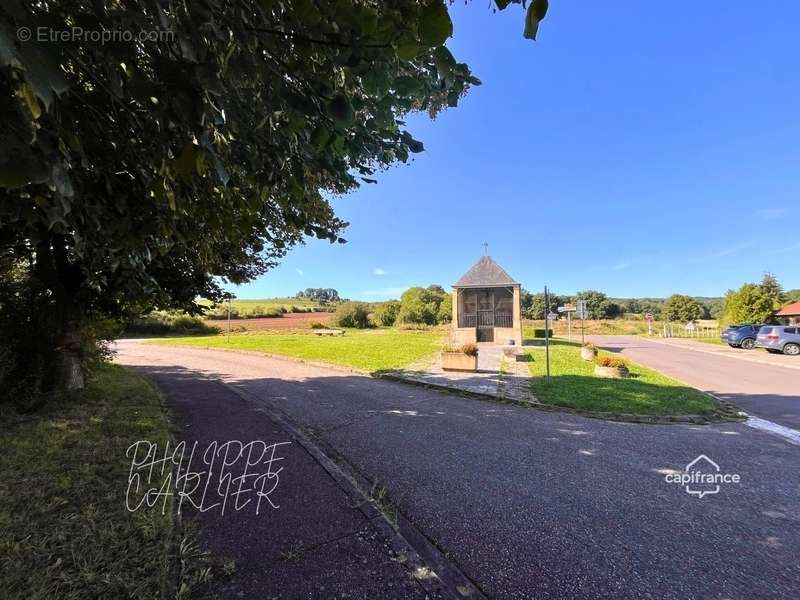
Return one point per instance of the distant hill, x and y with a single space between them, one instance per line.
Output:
262 307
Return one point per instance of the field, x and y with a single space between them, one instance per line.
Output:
287 321
367 350
574 384
253 308
612 327
65 531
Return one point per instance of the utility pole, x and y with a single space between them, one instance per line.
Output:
547 331
229 319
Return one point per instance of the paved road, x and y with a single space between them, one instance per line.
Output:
770 392
533 504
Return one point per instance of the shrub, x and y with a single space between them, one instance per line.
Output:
468 349
611 361
352 314
386 313
589 346
420 305
318 325
539 333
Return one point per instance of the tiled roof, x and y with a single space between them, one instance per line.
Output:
790 310
485 273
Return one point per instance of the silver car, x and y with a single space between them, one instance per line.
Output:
779 338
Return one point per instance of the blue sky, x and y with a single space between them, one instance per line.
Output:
638 148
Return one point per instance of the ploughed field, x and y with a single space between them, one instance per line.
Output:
287 321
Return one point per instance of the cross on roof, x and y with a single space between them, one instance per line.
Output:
485 248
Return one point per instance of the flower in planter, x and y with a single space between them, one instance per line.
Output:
611 361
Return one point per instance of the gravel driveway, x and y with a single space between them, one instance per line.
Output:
543 505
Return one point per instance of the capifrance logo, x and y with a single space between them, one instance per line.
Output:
702 477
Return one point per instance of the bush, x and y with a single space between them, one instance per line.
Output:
352 314
386 313
611 361
168 323
468 349
420 305
318 325
539 333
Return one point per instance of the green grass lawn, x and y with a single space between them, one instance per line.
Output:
574 384
64 529
368 350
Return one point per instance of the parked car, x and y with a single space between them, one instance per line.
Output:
779 338
740 336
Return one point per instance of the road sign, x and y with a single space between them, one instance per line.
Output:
552 316
582 309
566 308
649 317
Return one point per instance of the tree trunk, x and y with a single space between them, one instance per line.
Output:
71 358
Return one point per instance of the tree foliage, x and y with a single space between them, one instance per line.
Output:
386 313
681 308
749 304
352 314
321 295
141 173
420 305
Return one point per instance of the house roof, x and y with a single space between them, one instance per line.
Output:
485 273
790 310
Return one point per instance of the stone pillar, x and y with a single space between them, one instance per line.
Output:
517 315
454 322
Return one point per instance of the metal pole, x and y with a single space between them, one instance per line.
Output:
229 319
569 326
547 331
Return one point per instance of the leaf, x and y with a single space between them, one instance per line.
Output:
406 86
444 61
414 145
531 24
536 12
435 25
502 4
341 110
541 6
29 96
186 163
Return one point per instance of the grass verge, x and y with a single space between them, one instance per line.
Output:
367 350
64 529
646 392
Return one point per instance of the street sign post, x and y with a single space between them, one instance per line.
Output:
649 318
569 309
547 331
583 313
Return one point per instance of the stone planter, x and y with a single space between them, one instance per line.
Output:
588 354
611 372
458 361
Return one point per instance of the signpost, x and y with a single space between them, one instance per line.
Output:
583 313
649 318
569 309
547 314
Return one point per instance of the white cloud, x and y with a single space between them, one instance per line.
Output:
621 266
378 271
300 272
770 214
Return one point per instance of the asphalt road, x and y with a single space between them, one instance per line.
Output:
533 504
767 391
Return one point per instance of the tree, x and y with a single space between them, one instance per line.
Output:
534 305
141 174
594 303
681 308
772 288
352 314
445 312
749 304
386 313
321 295
419 305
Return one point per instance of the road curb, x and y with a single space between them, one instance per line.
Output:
425 562
725 412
